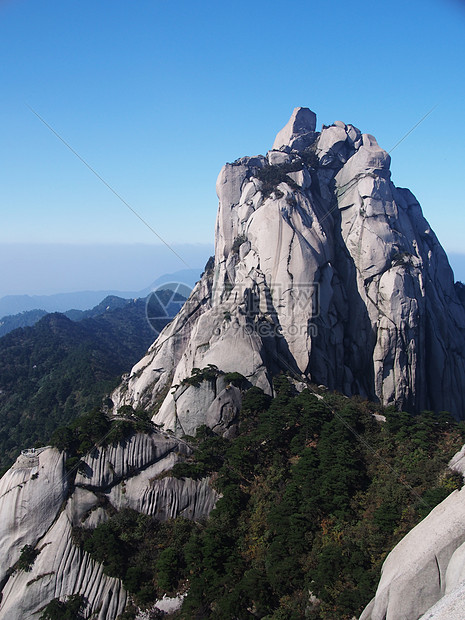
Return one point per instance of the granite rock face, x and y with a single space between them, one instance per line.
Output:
31 494
426 564
322 268
61 569
298 133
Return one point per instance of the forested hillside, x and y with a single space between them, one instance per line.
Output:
51 372
316 491
23 319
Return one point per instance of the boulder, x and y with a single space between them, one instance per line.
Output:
299 131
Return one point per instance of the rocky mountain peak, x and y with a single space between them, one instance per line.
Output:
298 131
323 268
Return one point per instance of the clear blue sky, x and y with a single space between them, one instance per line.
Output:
156 96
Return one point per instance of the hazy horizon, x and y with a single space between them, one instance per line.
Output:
47 269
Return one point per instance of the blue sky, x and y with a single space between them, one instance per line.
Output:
156 96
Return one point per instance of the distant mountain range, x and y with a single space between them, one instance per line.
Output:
83 300
28 318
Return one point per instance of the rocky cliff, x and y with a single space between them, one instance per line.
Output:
322 268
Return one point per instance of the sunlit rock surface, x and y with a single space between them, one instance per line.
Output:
328 271
424 575
31 494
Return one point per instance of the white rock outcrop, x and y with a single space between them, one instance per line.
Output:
323 268
31 494
424 575
105 467
426 564
298 133
61 569
36 509
450 607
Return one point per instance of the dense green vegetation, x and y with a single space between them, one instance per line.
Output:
198 375
146 554
69 609
315 492
272 175
210 373
51 372
94 428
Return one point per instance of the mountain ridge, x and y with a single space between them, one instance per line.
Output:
59 367
28 318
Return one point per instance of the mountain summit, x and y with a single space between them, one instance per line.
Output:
326 271
322 268
299 132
